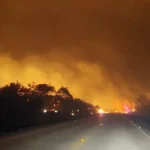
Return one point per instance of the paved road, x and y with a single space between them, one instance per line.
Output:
110 133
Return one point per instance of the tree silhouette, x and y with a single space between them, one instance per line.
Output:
10 90
23 105
64 93
143 104
32 86
45 89
143 100
11 101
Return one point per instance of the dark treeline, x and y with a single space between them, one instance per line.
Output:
142 114
143 105
35 104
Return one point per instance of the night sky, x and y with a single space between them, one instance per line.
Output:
99 49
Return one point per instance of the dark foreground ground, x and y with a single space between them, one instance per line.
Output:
110 132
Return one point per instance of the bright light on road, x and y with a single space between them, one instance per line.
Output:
56 111
72 114
45 111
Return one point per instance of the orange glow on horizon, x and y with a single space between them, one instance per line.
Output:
101 111
86 81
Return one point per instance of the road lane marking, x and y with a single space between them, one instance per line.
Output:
141 130
84 140
74 145
79 143
77 146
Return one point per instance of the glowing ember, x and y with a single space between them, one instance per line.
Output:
101 111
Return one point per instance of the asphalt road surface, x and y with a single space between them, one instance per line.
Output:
110 132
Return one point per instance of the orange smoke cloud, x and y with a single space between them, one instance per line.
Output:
100 50
85 80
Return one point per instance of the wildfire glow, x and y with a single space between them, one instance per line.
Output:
133 110
101 111
60 74
95 51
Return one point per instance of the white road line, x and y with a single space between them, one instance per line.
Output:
141 130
